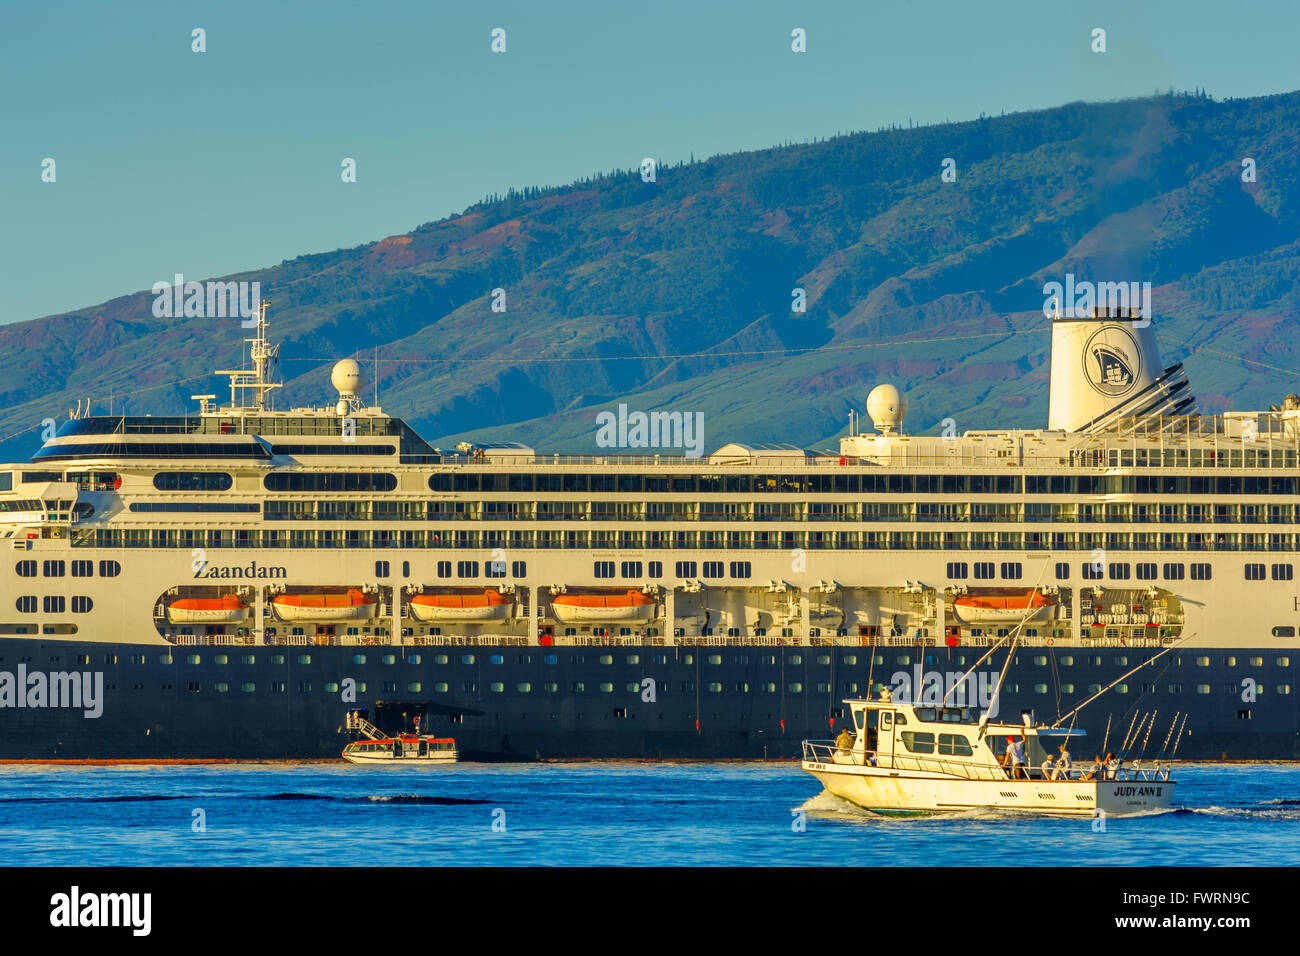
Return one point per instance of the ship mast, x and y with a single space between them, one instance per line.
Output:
255 379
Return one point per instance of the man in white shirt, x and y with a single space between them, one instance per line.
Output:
1016 757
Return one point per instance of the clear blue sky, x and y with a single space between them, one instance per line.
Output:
171 161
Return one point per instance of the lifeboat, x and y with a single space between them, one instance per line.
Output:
226 609
1001 608
353 606
486 606
590 608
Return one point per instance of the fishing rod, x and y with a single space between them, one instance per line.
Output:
1147 738
1179 739
1129 735
1168 737
1107 737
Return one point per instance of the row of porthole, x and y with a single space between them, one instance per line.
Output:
80 568
1122 661
1281 689
53 604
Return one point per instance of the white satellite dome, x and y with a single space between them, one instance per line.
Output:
347 378
886 406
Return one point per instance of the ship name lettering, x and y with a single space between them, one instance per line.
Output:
253 570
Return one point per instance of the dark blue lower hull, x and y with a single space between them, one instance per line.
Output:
527 703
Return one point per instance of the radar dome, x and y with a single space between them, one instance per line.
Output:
886 406
346 377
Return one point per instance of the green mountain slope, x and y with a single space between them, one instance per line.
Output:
677 294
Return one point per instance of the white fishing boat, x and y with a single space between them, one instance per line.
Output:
906 758
903 757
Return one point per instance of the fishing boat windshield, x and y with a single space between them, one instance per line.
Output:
947 715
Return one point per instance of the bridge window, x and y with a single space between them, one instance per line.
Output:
192 481
329 481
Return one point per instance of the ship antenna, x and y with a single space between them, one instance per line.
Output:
257 379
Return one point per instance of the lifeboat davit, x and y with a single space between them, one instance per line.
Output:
226 609
353 606
1001 608
589 608
486 606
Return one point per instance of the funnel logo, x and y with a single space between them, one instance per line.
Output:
1112 361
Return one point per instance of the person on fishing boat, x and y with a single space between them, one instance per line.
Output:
1049 768
1095 771
1112 766
844 742
1062 771
1016 757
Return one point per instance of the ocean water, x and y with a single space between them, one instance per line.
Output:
602 813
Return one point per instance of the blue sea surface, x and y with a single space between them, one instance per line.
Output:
602 813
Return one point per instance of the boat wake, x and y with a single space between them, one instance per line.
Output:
1283 809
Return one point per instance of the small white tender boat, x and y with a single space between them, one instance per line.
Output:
906 758
403 749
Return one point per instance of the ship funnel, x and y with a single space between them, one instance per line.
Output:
1107 366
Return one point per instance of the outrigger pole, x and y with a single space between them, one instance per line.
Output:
1014 635
1059 720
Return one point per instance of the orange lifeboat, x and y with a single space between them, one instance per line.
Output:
587 608
353 606
487 605
1001 608
226 609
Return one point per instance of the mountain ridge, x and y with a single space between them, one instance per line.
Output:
677 294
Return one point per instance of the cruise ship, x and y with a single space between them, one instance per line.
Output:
235 583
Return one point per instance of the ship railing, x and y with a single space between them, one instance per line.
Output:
212 640
514 640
